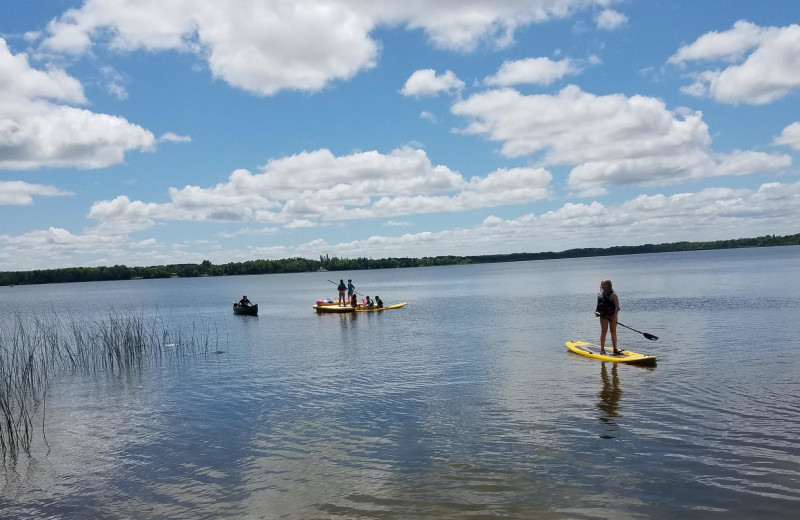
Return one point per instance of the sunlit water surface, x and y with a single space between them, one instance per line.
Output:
462 404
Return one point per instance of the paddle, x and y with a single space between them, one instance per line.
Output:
334 283
645 334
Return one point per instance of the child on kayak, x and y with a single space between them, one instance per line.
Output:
378 302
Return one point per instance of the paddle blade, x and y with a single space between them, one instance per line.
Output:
650 336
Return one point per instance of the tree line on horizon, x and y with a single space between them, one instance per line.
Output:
326 263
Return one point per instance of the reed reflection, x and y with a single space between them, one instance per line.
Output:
609 395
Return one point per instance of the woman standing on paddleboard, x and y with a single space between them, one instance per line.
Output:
607 308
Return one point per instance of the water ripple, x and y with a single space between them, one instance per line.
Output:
463 404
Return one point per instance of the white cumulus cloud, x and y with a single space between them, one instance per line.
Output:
608 140
426 82
609 20
39 127
310 188
22 193
790 136
265 46
540 71
710 214
762 63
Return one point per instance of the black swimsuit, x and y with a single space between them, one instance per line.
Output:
605 305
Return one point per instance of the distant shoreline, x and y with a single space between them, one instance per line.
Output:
326 263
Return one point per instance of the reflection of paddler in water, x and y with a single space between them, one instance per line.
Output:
609 398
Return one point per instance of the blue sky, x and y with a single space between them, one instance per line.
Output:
155 132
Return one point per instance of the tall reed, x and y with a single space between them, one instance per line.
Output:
35 347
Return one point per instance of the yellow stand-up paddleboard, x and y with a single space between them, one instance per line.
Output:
326 307
377 309
593 351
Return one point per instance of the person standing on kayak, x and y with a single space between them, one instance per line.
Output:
607 309
351 290
342 288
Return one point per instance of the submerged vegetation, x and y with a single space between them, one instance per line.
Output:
36 348
326 263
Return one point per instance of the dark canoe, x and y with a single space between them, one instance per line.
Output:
249 311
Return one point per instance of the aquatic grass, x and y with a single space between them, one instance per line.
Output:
23 383
36 347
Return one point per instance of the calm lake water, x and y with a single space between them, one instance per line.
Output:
462 404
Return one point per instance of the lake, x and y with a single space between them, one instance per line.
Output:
462 404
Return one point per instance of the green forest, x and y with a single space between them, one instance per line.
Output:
326 263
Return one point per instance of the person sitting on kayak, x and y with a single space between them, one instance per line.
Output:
607 309
342 288
353 301
370 303
244 302
378 302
